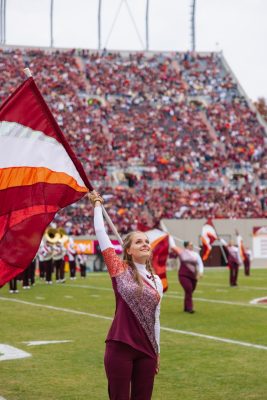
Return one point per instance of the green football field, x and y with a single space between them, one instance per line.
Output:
218 353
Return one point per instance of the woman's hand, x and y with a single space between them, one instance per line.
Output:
95 198
158 364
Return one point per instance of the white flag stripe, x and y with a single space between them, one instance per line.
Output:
155 234
14 129
39 150
208 229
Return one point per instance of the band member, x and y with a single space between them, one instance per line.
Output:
41 261
81 258
47 252
71 252
26 278
32 271
191 269
244 252
247 261
59 252
233 259
132 344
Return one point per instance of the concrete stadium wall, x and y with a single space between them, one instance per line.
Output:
191 229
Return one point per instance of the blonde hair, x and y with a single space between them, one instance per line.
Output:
128 258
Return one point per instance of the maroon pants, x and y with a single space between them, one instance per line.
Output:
189 286
130 372
247 267
26 277
72 268
60 265
42 269
233 275
48 264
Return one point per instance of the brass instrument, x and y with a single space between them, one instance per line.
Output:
52 235
63 235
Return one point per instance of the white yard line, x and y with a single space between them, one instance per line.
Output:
67 310
45 342
231 303
215 338
215 285
175 296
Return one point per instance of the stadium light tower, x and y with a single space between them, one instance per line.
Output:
3 21
147 25
99 23
51 23
193 27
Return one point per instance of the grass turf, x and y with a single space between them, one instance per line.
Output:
192 367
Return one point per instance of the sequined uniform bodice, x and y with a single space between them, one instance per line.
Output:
134 320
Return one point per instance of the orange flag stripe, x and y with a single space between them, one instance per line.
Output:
157 241
25 176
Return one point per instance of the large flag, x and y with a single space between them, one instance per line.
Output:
208 236
159 241
39 175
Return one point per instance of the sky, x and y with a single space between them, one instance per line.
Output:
238 28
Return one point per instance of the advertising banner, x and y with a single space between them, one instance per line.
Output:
260 242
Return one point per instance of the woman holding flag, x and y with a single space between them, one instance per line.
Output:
191 269
132 345
233 260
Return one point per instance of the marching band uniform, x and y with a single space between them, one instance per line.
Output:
47 253
132 344
190 266
40 256
26 278
81 258
59 263
247 261
234 261
245 254
71 252
32 271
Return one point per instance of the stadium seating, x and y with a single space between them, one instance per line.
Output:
160 135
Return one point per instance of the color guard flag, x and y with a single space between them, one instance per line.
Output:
39 175
208 236
159 242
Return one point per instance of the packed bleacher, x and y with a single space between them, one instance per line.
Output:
159 135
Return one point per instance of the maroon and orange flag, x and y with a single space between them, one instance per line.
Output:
208 236
39 175
159 241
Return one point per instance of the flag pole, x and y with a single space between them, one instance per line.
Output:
112 226
164 228
223 253
221 246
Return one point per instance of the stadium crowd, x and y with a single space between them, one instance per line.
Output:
168 135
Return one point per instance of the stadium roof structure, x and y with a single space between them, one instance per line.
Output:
131 19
